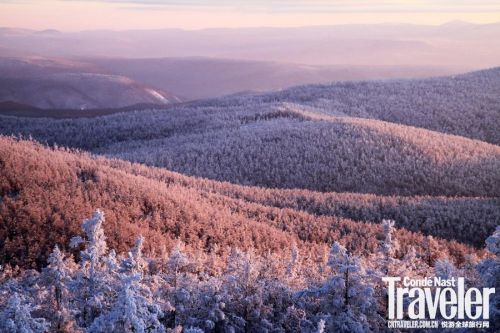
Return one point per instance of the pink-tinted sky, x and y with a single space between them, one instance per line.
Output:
196 14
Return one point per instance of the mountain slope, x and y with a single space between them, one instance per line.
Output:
327 154
45 194
465 105
284 146
466 219
63 84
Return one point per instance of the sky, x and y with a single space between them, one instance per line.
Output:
76 15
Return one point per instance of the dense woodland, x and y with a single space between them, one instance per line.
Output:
466 219
199 292
213 258
163 210
285 140
276 212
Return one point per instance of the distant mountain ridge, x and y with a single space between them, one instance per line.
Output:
468 46
47 83
202 77
97 83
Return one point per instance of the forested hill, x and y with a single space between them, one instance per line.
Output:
206 254
467 105
46 193
314 137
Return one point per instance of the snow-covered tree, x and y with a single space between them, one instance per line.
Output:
95 245
321 326
95 281
493 242
57 275
135 261
389 247
179 285
345 301
177 262
346 269
293 277
132 312
431 247
445 269
17 317
243 294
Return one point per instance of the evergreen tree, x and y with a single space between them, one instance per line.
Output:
346 300
445 269
135 261
95 282
132 312
179 285
389 247
243 294
58 277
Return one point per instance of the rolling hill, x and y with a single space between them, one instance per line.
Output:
465 105
297 139
322 172
325 154
164 206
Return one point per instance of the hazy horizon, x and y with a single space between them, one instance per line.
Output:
72 15
334 25
192 49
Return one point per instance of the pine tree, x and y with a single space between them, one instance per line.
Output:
179 285
346 300
493 242
293 277
58 276
389 248
132 312
95 282
445 269
321 326
431 251
95 246
243 293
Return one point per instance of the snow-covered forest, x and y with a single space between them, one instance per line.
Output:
105 291
313 137
272 212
